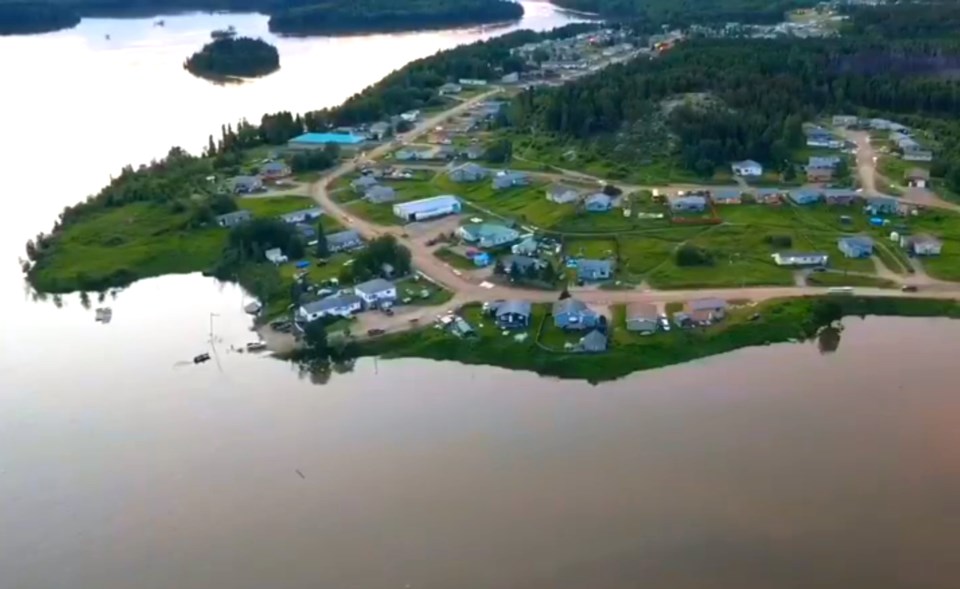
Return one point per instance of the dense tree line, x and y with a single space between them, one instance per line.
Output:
753 95
21 18
336 16
234 57
680 12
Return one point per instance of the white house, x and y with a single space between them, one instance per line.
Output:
376 292
337 305
560 193
747 168
800 259
922 245
275 256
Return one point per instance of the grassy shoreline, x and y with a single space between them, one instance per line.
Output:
781 320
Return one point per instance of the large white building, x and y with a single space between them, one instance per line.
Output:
427 208
337 305
800 259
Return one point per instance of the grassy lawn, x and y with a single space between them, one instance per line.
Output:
410 288
892 258
895 169
454 259
556 339
640 254
590 248
276 206
317 272
113 247
840 279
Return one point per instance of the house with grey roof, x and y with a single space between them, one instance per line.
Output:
921 245
882 205
594 342
514 314
804 196
308 233
571 313
343 305
380 194
233 219
727 196
526 247
302 215
747 168
508 179
468 172
641 317
523 263
598 202
473 152
363 183
689 203
857 246
376 293
246 184
593 270
379 130
715 308
450 88
274 170
562 194
342 241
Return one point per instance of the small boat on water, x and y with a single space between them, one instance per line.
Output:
256 346
104 314
200 359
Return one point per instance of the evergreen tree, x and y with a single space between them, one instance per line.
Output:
323 248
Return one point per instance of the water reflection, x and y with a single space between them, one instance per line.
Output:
828 338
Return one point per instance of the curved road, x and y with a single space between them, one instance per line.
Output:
467 290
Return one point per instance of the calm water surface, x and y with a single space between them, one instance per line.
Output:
122 465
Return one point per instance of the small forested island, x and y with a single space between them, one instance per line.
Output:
360 16
228 56
21 18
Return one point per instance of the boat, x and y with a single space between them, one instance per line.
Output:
201 358
253 308
104 314
256 346
159 23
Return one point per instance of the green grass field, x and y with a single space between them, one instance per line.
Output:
454 259
840 279
276 206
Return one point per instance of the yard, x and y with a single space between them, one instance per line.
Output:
841 279
275 206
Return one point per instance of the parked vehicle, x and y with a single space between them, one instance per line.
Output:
375 332
908 288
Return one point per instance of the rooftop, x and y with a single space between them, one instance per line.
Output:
333 302
641 311
374 286
324 138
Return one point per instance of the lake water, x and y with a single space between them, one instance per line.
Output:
123 465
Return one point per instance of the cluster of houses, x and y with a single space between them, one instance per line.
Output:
438 153
370 189
812 29
899 135
269 172
572 57
377 293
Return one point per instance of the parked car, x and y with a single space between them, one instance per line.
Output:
908 288
664 322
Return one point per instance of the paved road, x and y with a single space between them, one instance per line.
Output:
467 288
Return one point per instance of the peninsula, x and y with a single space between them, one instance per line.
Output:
658 214
228 56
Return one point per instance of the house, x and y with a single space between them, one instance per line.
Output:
573 314
917 178
450 88
511 78
427 208
409 154
523 263
591 270
487 234
508 179
468 173
308 233
363 183
820 137
342 241
804 196
840 197
710 309
380 194
598 202
800 259
562 194
275 256
473 152
747 168
246 184
917 155
727 196
410 116
274 170
526 247
770 196
343 305
688 203
472 82
819 175
882 205
233 219
376 293
823 162
857 246
302 215
593 342
641 317
513 314
844 120
379 130
922 245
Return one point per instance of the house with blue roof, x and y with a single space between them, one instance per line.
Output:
858 246
573 314
804 196
321 140
882 205
598 203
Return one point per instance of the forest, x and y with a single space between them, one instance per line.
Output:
685 12
338 17
740 98
229 56
21 18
